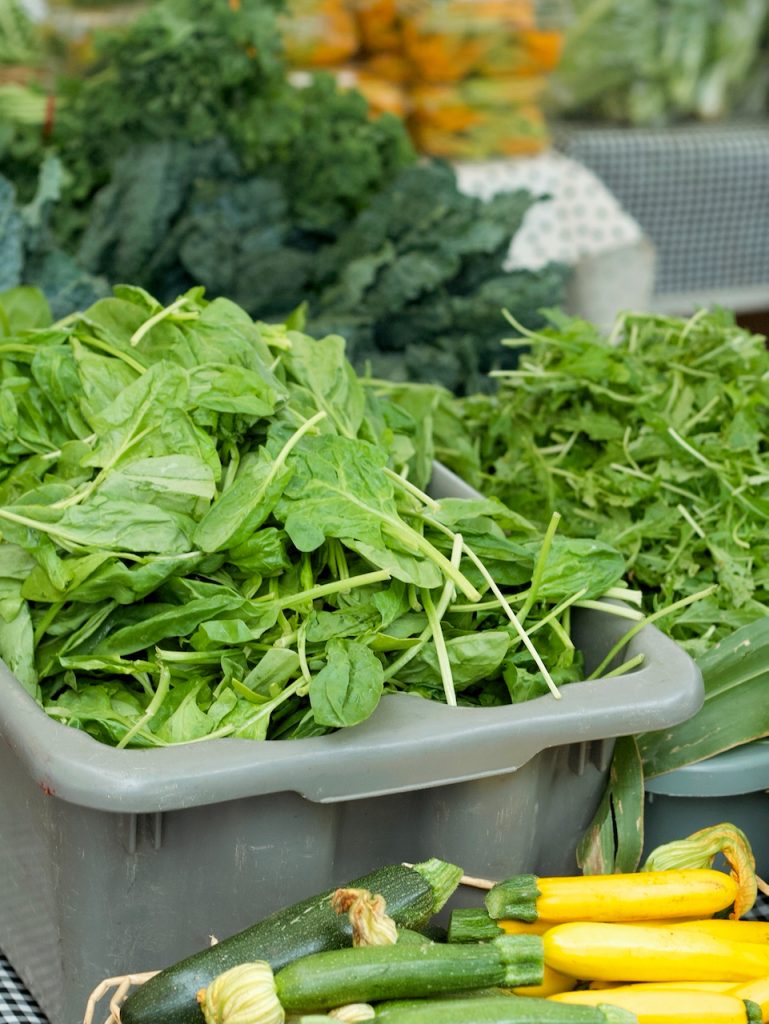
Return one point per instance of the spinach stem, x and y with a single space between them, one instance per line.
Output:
626 666
161 691
407 534
147 326
557 611
94 342
89 488
295 438
612 609
441 651
36 524
505 607
625 594
444 601
301 650
324 589
406 485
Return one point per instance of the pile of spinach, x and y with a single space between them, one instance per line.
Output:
213 527
653 439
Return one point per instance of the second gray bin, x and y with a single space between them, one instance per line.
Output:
729 787
117 861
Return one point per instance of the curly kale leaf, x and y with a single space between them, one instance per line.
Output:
321 144
197 71
175 73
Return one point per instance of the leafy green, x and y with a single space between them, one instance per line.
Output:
613 843
734 711
29 256
213 527
652 440
195 72
415 282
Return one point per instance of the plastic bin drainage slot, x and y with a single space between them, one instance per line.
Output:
144 828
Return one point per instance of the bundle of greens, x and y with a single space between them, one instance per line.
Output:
186 71
212 527
414 283
653 440
658 61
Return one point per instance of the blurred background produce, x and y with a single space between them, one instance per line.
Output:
468 75
652 62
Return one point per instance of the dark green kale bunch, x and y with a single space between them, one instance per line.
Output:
197 71
417 282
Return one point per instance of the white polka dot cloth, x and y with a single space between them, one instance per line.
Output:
580 219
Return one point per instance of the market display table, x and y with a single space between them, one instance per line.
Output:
701 195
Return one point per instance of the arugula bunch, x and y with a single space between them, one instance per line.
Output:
654 440
212 527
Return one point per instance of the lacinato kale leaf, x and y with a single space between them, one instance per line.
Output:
418 272
29 255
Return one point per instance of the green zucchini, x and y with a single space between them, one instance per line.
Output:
253 994
372 973
504 1009
412 896
472 924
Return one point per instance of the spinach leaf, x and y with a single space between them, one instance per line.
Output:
348 687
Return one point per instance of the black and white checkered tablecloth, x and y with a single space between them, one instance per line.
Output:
700 192
18 1007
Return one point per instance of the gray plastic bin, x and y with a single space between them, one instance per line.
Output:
728 787
116 861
